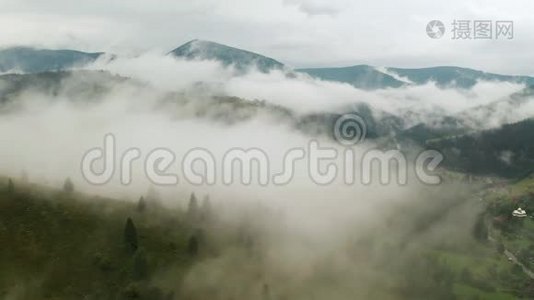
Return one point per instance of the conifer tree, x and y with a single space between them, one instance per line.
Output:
130 236
141 204
192 245
192 209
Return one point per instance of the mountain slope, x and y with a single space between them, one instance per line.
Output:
507 151
368 77
71 246
240 59
360 76
455 76
508 110
31 60
93 87
78 85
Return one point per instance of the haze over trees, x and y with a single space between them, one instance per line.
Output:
68 186
298 241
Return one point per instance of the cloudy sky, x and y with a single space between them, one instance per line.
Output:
301 33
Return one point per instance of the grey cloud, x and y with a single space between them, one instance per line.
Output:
318 7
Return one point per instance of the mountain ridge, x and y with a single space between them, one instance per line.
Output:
35 60
363 76
227 55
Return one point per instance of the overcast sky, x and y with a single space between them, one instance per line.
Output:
300 33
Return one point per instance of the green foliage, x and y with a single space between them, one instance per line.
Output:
480 229
500 247
192 245
466 276
54 249
140 265
74 249
480 153
138 290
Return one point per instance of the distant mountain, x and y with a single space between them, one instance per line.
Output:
360 76
242 60
369 77
454 76
31 60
